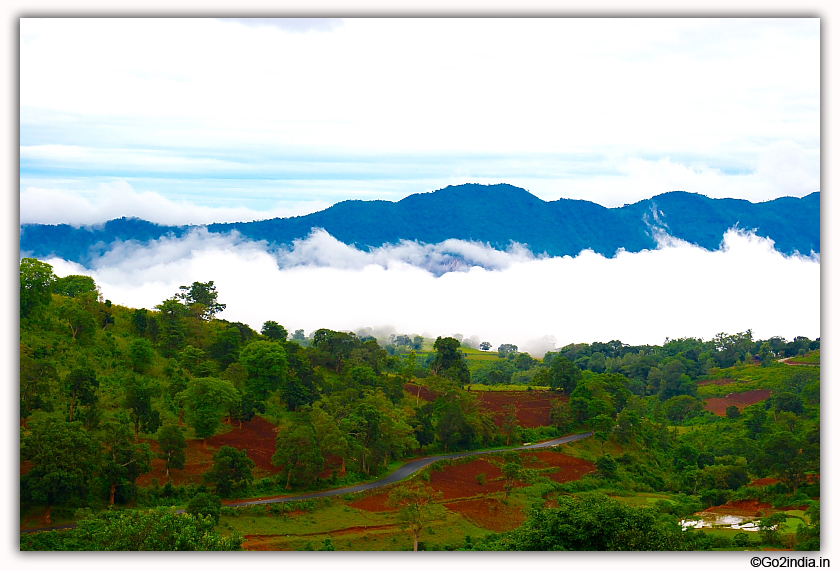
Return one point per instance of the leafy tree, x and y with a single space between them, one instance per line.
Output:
37 377
266 364
160 529
449 361
205 505
81 322
36 279
789 456
172 445
415 501
138 399
595 523
140 320
225 345
74 286
506 349
602 426
563 375
169 330
123 460
81 383
510 426
485 346
299 335
512 472
64 459
298 453
274 331
680 408
232 470
141 354
202 298
207 401
733 413
808 536
562 415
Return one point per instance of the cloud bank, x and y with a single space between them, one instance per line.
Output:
676 290
118 199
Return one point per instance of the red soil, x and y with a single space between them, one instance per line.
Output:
257 437
532 408
421 391
459 481
488 513
373 503
740 400
743 508
571 468
199 460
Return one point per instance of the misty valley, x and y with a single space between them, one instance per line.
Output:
173 428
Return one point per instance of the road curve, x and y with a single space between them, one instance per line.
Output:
400 474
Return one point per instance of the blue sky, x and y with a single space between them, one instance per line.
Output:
202 120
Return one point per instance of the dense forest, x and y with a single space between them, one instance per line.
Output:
107 391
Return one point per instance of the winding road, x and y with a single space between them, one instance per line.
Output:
400 474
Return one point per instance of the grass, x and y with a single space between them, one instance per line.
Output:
810 358
347 527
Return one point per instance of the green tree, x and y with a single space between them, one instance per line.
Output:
141 354
602 425
232 470
274 331
36 279
562 415
207 401
449 361
138 399
563 375
202 298
64 459
267 366
123 460
595 523
160 529
507 349
172 447
37 379
513 472
205 505
298 454
415 501
81 383
510 426
485 346
75 285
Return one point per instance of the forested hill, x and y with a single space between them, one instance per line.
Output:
494 214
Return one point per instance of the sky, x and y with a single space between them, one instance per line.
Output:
192 121
205 120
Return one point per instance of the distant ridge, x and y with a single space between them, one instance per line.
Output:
496 214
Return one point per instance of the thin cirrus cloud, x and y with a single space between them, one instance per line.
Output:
675 290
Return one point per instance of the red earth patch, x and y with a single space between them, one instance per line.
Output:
740 400
489 513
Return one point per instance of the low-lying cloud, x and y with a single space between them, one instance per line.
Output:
676 290
119 199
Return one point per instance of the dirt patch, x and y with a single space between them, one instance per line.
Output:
763 482
570 468
373 503
749 508
198 461
257 437
489 513
459 481
718 382
740 400
533 408
420 392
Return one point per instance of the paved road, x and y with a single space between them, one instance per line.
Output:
403 472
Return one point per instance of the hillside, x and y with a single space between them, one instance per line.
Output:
495 214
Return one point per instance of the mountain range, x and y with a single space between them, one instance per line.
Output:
494 214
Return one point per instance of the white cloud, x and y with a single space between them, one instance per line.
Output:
676 290
118 199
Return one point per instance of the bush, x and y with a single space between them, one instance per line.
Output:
205 504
